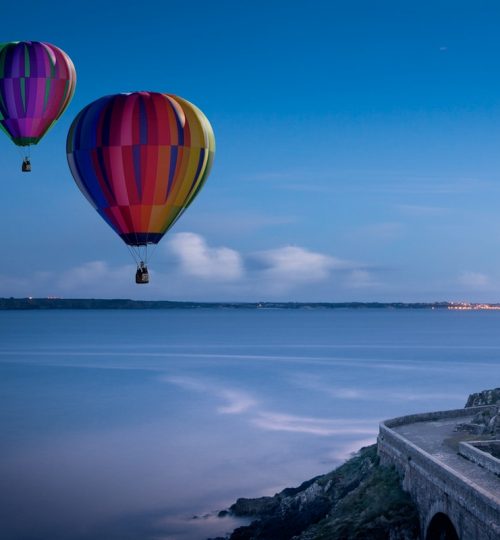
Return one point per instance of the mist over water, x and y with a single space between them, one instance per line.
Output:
126 424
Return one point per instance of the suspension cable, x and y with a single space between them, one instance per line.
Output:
132 253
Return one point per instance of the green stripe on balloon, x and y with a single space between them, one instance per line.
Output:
27 70
22 85
47 93
2 61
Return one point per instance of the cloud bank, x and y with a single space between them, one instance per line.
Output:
272 274
187 267
295 264
197 259
474 280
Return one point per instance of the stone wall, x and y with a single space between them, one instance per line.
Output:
478 452
435 487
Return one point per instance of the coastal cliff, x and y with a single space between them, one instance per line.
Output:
359 500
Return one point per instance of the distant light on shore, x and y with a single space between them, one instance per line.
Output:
466 306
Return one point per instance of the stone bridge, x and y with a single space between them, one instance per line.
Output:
454 482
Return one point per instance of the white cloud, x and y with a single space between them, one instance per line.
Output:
293 267
90 279
474 280
277 271
190 269
94 272
198 259
296 264
360 278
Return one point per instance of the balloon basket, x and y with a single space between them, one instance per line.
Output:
142 275
26 166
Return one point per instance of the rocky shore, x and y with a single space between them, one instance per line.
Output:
360 500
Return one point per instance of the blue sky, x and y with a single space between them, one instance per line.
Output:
357 151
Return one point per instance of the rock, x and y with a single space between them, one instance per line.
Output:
377 509
254 507
359 498
486 397
494 424
473 429
484 423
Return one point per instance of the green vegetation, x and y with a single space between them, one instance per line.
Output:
119 303
361 500
377 509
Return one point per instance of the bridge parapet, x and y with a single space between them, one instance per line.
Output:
435 476
477 451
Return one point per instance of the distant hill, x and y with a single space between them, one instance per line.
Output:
95 303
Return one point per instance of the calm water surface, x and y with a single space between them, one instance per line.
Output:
125 425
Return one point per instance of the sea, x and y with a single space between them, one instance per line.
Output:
144 424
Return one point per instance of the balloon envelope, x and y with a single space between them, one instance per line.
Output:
37 82
140 159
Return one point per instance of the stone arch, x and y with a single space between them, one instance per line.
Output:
441 528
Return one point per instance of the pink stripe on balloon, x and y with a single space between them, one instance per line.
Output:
124 123
114 167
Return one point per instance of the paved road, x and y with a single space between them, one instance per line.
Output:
439 439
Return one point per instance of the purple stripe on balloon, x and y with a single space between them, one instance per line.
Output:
42 61
33 58
18 61
3 100
33 89
12 126
28 70
10 101
16 83
27 124
9 61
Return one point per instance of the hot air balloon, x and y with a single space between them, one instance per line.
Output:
37 82
140 159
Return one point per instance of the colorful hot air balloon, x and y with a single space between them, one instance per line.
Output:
37 82
140 159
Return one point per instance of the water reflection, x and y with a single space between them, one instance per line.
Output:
107 437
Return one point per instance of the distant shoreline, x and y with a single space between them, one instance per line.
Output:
95 303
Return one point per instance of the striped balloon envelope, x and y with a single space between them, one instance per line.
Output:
140 159
37 82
